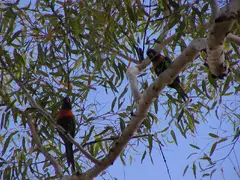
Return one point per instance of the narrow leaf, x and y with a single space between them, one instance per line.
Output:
213 135
213 148
143 156
196 147
122 124
222 140
113 103
150 143
174 137
7 142
194 170
185 170
14 36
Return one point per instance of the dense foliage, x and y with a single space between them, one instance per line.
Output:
48 46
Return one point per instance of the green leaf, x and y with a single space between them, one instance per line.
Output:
194 170
212 172
191 155
123 93
78 62
18 58
122 159
212 81
113 103
205 89
222 140
206 157
87 137
226 85
205 175
155 103
7 173
143 156
165 129
236 135
185 170
131 14
213 148
106 129
150 143
205 8
174 137
179 117
191 120
181 128
174 4
23 144
16 34
40 53
7 142
196 147
122 124
235 49
213 135
213 105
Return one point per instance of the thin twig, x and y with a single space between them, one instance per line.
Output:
164 159
112 139
146 27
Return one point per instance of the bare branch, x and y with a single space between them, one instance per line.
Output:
233 38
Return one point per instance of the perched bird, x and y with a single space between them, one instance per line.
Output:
160 64
66 120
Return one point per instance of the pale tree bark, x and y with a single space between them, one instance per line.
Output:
219 28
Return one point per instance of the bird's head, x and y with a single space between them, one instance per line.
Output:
66 103
151 54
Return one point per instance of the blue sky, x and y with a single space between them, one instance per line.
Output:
176 156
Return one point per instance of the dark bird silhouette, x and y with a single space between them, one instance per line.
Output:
160 64
66 120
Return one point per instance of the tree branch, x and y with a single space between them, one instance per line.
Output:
144 103
134 71
233 38
112 139
220 26
48 116
36 140
215 10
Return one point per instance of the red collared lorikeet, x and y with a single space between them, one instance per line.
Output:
160 64
66 120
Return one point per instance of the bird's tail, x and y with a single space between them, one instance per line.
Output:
69 154
176 85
